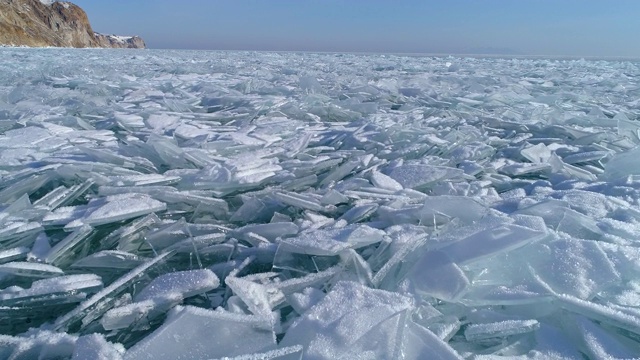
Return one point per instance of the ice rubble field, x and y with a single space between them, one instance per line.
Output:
204 205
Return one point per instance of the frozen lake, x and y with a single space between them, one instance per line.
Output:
245 205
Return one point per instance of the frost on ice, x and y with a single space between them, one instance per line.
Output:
229 205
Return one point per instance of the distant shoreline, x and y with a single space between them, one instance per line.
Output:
362 53
419 54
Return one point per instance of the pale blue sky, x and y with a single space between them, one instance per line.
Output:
532 27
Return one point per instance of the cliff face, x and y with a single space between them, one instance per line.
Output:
114 41
62 24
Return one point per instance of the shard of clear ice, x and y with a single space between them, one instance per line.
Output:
385 182
437 275
195 333
94 306
286 353
506 328
331 242
421 176
122 208
259 299
317 206
61 252
465 209
10 255
138 314
29 269
364 313
489 242
583 271
55 290
184 283
109 259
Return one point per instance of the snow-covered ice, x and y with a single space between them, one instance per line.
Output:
240 205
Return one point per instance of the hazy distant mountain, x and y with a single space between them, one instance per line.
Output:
53 23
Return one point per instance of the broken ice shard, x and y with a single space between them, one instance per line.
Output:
122 208
183 283
350 317
489 242
437 275
331 242
506 328
94 307
422 176
195 333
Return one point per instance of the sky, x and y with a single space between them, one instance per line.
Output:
529 27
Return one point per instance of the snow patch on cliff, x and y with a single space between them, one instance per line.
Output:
50 2
116 38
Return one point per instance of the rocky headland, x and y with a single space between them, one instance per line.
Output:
41 23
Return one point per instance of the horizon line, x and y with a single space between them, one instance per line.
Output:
360 52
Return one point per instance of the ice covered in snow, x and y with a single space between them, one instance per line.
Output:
239 205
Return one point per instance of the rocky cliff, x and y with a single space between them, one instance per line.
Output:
48 23
115 41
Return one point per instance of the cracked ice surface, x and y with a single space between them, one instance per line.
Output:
192 205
